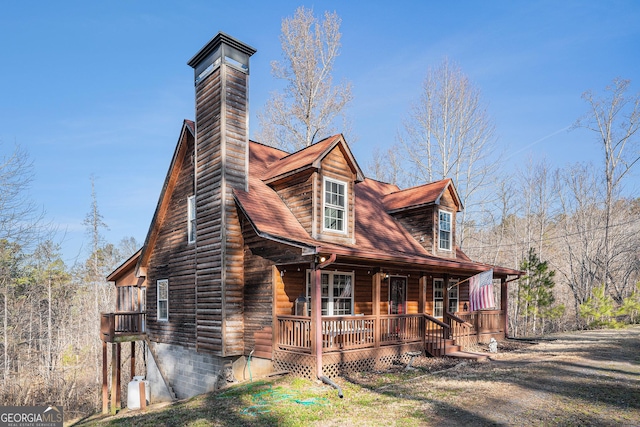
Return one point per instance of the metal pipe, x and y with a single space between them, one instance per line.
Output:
326 380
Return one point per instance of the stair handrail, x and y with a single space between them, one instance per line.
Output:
435 339
458 319
434 320
463 338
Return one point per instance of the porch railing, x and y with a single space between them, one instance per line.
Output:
484 321
462 332
349 332
355 332
294 333
113 325
401 328
436 334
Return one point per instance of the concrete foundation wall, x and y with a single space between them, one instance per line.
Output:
189 373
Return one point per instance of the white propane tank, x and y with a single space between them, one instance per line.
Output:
133 392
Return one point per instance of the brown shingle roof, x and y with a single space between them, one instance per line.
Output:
420 195
268 213
378 235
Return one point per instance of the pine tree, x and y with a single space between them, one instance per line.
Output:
536 290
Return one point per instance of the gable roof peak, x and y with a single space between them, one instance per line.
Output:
420 195
310 158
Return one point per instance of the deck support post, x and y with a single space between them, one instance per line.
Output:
133 359
105 378
115 378
119 377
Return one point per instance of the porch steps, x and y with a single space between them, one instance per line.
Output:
451 349
479 357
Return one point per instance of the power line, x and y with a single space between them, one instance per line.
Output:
523 242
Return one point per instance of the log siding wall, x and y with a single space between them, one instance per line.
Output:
173 259
335 166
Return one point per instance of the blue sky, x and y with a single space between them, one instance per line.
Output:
101 88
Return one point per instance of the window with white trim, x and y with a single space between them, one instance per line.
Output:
335 205
163 299
191 215
336 292
453 296
438 297
444 225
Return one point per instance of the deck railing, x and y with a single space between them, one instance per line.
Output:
121 324
462 331
341 333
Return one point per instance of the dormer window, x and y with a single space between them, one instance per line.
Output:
444 222
335 205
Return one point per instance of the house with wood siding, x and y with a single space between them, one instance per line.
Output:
260 261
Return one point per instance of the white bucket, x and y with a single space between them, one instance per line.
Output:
133 392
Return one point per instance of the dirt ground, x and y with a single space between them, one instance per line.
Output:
587 378
578 378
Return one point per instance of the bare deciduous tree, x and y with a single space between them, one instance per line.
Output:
386 166
310 103
615 119
449 134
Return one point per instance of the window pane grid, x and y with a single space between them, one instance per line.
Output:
444 234
335 204
337 295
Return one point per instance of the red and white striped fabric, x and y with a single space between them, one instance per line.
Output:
481 291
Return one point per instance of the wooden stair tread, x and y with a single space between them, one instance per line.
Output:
468 355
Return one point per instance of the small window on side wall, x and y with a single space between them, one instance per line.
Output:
191 215
163 300
444 225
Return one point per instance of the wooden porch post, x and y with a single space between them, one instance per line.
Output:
275 325
375 295
422 291
316 318
504 305
445 300
105 387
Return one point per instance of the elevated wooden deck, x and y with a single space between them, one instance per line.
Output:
122 326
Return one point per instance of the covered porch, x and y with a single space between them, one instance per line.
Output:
367 318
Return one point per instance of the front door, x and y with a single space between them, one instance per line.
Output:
397 295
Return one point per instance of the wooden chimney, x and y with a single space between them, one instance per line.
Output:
221 164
